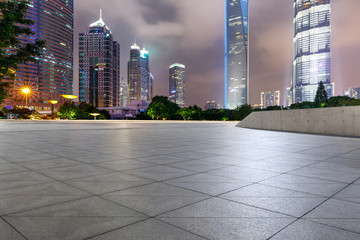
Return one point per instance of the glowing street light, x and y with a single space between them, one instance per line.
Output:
71 97
94 114
52 102
26 91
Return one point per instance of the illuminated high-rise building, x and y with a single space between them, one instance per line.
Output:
177 84
312 55
52 76
139 76
99 66
236 54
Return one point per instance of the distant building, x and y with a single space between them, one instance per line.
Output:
289 96
312 55
270 99
236 54
177 84
151 88
99 66
133 109
211 105
353 92
139 77
124 93
52 76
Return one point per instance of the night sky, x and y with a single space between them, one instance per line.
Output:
192 32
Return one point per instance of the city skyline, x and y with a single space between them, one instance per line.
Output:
171 34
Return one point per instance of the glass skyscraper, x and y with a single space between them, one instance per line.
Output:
52 76
177 84
236 54
99 66
139 76
312 55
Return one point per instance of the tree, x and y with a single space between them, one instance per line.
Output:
158 110
303 105
13 24
321 95
161 108
241 112
190 113
216 114
67 111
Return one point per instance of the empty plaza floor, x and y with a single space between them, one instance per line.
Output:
175 181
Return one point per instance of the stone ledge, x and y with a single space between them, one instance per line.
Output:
341 121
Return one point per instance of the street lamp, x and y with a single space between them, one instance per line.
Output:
94 114
26 91
70 97
52 102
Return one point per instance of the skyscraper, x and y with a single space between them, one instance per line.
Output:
139 76
52 76
312 56
99 66
177 84
236 54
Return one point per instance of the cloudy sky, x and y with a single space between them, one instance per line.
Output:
192 32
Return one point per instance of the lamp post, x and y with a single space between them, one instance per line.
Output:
26 91
52 102
94 114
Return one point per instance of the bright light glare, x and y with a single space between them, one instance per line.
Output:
26 90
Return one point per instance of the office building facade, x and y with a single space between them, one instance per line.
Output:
312 55
52 76
270 99
139 76
236 54
177 84
99 66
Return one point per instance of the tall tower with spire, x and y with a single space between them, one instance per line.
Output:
99 66
236 54
139 76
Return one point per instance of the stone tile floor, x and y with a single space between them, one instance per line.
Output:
175 181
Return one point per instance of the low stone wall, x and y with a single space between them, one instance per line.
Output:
343 121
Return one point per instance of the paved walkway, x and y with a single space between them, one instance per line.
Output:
175 181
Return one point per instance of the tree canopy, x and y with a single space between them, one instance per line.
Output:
161 108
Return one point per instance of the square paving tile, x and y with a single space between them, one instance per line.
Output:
306 230
306 184
337 213
275 199
150 230
154 199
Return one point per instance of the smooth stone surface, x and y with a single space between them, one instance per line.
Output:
174 180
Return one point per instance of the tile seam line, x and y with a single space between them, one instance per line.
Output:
302 217
18 231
